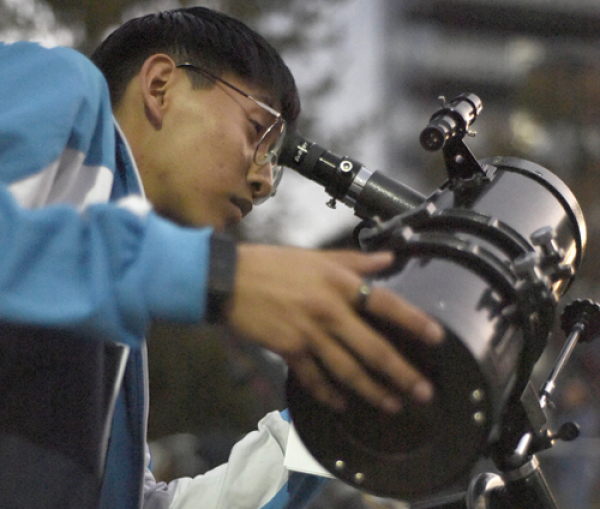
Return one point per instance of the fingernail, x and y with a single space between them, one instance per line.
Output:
434 332
422 391
391 405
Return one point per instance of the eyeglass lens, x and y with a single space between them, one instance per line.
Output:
270 144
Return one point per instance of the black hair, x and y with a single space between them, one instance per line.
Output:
201 36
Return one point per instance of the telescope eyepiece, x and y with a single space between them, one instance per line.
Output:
451 121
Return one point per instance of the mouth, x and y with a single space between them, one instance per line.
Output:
243 204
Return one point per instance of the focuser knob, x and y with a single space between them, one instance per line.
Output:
583 314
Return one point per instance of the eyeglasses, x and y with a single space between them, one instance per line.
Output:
269 145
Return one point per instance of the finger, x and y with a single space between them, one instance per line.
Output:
352 374
371 347
384 303
361 263
311 377
338 358
378 355
391 307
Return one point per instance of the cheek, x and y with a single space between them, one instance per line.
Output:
222 157
212 173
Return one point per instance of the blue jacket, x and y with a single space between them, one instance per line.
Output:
84 254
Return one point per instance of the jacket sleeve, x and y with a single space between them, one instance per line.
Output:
253 478
69 260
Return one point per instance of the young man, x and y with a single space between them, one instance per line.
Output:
106 226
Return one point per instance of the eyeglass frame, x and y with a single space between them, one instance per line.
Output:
271 155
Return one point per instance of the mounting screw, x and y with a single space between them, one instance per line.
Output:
346 166
479 418
477 396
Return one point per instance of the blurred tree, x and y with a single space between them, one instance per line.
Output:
557 124
96 17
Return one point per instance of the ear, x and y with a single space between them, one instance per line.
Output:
156 77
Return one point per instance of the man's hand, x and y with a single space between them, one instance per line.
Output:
302 305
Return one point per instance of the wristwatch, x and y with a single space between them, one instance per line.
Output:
221 276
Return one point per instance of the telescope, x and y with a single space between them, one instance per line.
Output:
489 255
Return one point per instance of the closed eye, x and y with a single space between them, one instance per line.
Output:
258 127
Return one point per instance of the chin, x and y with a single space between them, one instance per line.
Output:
219 225
229 225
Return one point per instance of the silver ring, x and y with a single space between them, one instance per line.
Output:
364 292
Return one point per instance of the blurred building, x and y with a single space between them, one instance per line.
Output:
488 47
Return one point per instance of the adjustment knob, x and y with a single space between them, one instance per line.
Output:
544 237
584 313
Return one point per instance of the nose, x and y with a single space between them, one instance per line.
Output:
261 182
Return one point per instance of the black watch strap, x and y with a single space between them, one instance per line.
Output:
221 276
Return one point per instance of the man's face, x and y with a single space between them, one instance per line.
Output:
197 166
